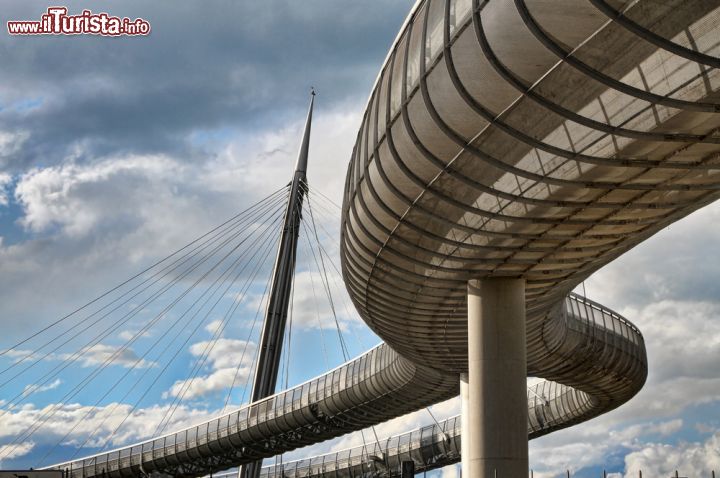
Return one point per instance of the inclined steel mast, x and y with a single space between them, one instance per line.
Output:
276 314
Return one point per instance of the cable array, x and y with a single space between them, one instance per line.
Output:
209 284
167 305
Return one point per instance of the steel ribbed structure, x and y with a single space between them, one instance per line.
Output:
525 139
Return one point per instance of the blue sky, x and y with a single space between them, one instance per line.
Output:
114 152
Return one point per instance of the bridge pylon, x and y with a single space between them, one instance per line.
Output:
276 314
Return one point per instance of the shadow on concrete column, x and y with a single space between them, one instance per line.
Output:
497 406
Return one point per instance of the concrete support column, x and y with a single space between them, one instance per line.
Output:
464 422
497 372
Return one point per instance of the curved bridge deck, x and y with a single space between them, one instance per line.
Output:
370 389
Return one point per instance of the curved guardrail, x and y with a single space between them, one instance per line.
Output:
551 406
370 389
429 447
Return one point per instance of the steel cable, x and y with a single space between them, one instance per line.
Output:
105 294
211 345
172 267
48 414
152 347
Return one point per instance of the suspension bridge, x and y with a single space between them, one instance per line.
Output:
508 150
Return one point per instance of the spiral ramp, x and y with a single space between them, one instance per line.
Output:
377 386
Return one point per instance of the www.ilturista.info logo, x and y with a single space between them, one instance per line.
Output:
57 22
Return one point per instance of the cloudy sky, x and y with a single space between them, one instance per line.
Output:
115 152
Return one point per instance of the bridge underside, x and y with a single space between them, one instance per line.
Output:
485 152
525 142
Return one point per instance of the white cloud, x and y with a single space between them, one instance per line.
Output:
95 222
312 308
690 459
222 359
668 288
98 354
89 356
98 423
130 334
683 342
390 428
548 474
11 142
260 164
18 353
5 179
32 389
672 265
77 197
706 428
214 326
204 385
8 452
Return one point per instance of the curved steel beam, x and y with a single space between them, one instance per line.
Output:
599 76
654 38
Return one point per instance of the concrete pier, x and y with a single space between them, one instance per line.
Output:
496 414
